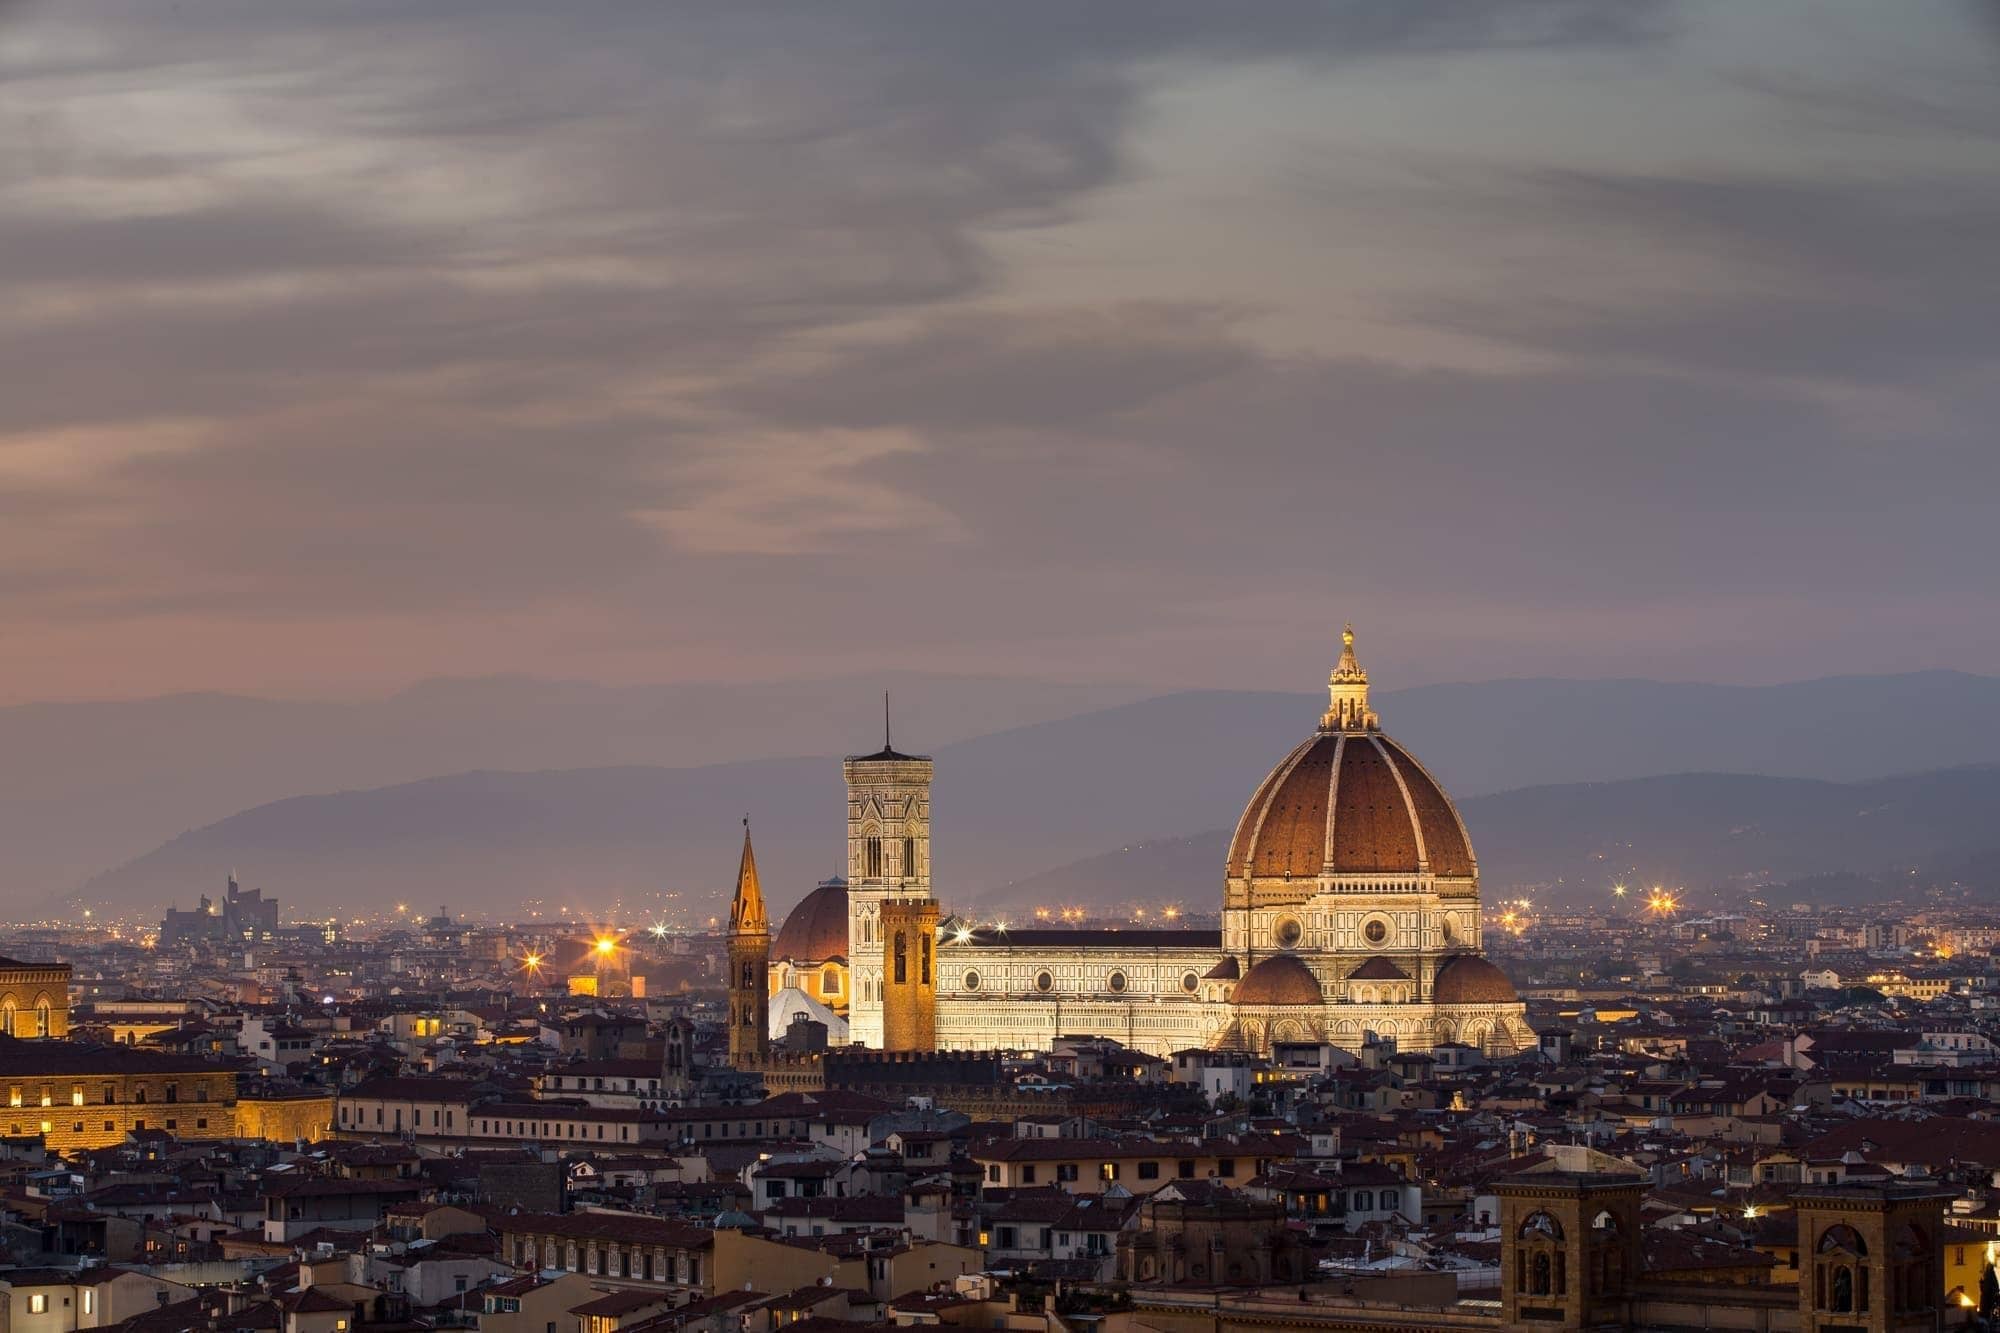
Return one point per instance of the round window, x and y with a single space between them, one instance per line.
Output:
1116 981
1290 932
1375 931
972 981
1190 982
1044 982
1446 931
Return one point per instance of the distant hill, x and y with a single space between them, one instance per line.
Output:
85 787
585 838
1571 842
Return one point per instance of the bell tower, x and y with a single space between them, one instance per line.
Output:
749 965
888 860
1871 1257
1569 1248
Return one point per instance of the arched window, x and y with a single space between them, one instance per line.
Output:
1913 1281
829 981
874 858
902 958
7 1008
1840 1277
909 858
1540 1267
1538 1225
42 1012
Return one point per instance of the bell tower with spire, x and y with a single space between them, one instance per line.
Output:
888 863
749 965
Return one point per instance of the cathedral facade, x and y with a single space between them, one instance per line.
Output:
1350 910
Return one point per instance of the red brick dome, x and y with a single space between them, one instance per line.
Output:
1279 979
1349 803
1470 979
816 929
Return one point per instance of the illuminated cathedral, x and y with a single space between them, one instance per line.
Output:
1350 911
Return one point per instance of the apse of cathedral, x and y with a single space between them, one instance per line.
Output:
1350 912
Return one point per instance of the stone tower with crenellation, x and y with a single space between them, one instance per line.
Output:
909 974
888 861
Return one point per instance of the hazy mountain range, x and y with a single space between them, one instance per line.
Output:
87 786
1713 832
1011 806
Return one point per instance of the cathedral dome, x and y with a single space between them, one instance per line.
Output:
1470 979
1279 979
816 929
1349 801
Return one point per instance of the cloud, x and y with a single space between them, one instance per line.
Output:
797 494
1862 281
700 327
1046 368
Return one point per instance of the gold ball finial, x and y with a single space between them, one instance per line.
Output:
1347 635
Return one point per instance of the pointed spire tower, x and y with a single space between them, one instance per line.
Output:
746 909
749 965
1347 692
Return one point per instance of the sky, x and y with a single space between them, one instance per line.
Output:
345 344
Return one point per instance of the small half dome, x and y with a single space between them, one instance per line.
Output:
816 929
1279 979
1470 979
1378 968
